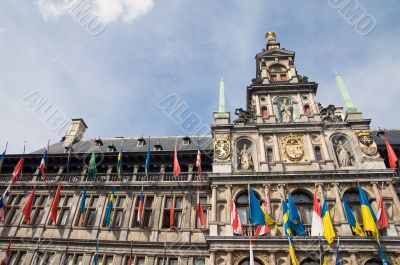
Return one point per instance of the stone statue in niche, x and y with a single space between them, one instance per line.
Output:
245 159
285 106
344 153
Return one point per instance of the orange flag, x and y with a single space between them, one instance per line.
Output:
177 168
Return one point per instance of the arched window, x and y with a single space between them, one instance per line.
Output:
307 110
242 204
270 155
247 262
304 204
310 261
264 111
353 200
373 262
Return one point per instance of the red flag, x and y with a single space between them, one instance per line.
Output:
235 220
54 205
171 213
382 217
17 170
26 211
140 208
177 168
391 154
8 254
200 213
198 163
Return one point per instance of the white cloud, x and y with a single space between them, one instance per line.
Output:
127 10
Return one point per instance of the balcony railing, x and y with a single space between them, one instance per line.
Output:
103 177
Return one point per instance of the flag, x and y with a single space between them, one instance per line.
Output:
382 255
54 205
130 257
285 218
355 226
368 216
83 204
96 255
200 213
171 213
147 169
251 258
337 261
119 163
256 215
198 163
235 219
264 229
3 202
8 254
382 217
329 232
17 170
177 168
391 154
316 225
323 258
292 254
294 218
110 206
42 165
92 169
26 211
2 156
140 209
261 230
64 260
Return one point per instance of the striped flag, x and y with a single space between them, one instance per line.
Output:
351 219
177 168
54 205
235 219
26 211
83 205
42 165
140 208
17 170
316 225
3 202
8 254
110 206
198 163
381 216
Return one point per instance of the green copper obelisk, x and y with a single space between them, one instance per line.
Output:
221 96
348 104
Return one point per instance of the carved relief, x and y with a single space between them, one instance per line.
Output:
366 142
293 147
222 147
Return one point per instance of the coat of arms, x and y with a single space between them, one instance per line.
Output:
222 147
366 142
293 147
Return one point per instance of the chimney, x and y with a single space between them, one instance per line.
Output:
75 132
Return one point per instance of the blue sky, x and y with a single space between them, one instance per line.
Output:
151 49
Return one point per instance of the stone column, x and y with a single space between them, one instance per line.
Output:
212 258
376 193
214 204
300 104
272 258
229 259
184 261
270 106
396 201
258 107
353 259
346 229
320 194
228 203
324 147
277 155
262 148
267 198
310 147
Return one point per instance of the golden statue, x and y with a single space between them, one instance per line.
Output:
270 35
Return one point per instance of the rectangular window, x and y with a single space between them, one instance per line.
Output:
283 77
204 206
64 208
168 261
89 213
177 211
17 257
147 210
12 208
75 259
199 261
37 212
270 155
318 155
43 258
117 213
274 77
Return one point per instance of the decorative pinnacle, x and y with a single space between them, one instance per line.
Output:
270 36
221 96
348 104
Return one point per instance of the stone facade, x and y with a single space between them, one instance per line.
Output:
284 141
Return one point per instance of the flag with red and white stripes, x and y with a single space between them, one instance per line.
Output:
235 219
198 163
8 254
317 228
381 216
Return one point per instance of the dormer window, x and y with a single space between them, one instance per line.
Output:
98 142
111 148
158 147
141 141
186 140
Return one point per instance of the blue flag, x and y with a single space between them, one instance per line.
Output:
382 254
337 261
96 255
83 204
147 169
110 206
294 217
256 215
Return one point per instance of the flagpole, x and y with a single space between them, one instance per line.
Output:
23 155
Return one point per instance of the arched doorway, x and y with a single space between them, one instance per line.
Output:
310 261
374 262
247 262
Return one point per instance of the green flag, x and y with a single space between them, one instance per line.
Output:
92 170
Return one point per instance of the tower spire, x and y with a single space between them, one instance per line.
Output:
221 96
348 104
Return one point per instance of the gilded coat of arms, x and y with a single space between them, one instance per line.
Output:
222 147
366 142
293 147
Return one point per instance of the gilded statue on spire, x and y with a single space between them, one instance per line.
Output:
270 36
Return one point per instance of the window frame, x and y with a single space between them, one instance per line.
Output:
147 211
165 211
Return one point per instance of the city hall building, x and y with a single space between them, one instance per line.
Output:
282 142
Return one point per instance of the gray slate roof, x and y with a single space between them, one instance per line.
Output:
392 135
